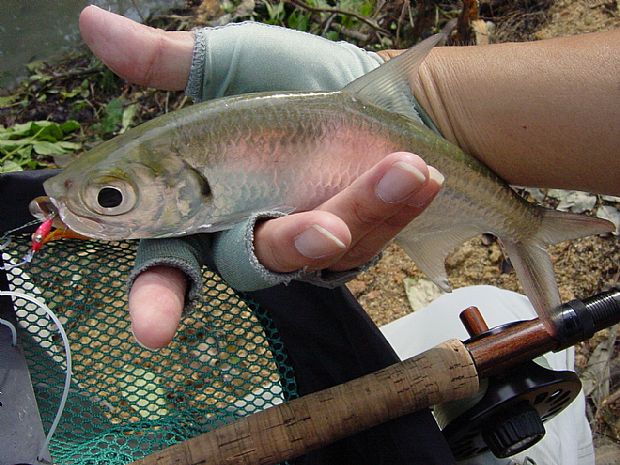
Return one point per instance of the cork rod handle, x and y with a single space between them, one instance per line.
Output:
445 372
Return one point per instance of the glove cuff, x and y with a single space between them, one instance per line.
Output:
236 261
181 253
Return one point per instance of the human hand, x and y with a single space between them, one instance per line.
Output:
341 234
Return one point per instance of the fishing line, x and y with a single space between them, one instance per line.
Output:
37 240
12 328
7 239
6 236
65 341
27 259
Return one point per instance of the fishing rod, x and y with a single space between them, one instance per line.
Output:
449 371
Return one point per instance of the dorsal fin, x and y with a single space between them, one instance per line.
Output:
388 86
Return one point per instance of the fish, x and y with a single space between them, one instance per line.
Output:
210 166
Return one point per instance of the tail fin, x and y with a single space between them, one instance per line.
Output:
533 264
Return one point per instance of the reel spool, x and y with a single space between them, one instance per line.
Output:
509 417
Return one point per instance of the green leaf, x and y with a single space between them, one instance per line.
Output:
11 144
129 114
69 126
49 132
299 21
47 148
275 12
71 146
10 166
25 152
7 100
113 116
17 130
35 66
71 93
114 108
332 35
366 9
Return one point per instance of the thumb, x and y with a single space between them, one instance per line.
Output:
138 53
156 302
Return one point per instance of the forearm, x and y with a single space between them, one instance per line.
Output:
543 113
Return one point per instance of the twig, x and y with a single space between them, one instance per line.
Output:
181 103
359 36
77 73
379 6
337 11
400 21
172 17
328 23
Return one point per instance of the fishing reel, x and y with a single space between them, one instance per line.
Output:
508 415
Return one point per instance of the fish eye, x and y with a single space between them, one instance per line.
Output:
109 197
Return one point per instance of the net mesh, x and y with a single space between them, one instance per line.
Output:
226 360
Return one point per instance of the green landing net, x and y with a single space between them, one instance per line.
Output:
225 362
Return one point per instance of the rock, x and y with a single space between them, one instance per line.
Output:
536 193
612 214
574 201
421 292
357 286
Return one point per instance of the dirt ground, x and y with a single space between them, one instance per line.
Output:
583 267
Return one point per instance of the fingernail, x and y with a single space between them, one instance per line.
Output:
399 182
318 242
425 195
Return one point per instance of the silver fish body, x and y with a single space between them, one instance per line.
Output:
226 158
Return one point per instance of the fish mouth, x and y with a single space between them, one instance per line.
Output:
44 207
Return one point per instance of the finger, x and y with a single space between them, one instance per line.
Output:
320 238
313 240
156 302
369 245
138 53
379 193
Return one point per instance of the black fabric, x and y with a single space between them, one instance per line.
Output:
16 191
330 340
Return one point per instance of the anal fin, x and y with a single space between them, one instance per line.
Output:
429 251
